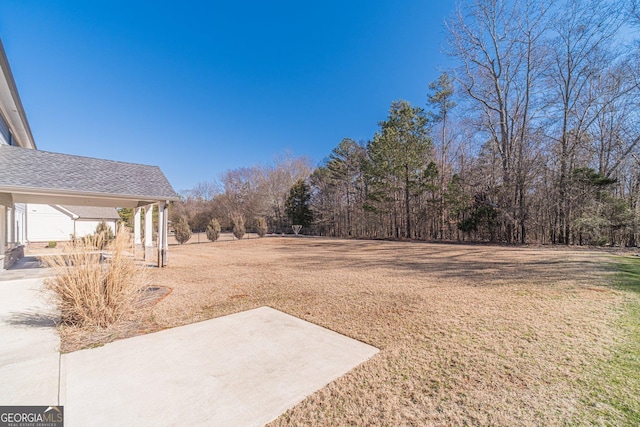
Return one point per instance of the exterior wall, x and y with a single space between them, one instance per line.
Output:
84 227
44 224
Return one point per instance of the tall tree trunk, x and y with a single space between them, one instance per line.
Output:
407 202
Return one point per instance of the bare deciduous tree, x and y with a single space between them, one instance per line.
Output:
497 44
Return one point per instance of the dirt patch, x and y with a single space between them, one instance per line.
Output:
153 295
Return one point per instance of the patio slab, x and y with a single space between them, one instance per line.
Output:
244 369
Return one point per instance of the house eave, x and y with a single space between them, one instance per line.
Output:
11 104
68 197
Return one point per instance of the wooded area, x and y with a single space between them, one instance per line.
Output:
531 137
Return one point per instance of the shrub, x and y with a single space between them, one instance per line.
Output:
103 234
52 244
213 230
91 291
261 226
182 230
238 226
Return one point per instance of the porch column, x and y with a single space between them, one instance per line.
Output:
137 241
11 229
162 234
165 241
148 232
3 234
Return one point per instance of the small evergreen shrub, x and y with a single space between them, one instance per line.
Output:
103 234
52 244
182 231
261 226
213 230
238 227
105 230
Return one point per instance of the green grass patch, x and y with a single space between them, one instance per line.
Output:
614 387
628 274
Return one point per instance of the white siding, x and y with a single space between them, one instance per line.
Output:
44 224
84 227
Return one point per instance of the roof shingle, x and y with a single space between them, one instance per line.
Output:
42 170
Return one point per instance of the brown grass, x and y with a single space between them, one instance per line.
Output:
476 335
469 335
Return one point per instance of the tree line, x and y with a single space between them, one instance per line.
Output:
256 198
532 136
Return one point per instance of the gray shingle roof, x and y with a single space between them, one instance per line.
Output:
93 212
41 170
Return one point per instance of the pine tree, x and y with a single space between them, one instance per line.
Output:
261 226
398 161
297 205
213 230
238 227
182 230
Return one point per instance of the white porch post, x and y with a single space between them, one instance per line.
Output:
3 234
162 234
11 229
148 232
137 240
165 226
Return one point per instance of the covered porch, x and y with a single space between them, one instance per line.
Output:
39 177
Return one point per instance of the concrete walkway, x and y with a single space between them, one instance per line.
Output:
29 357
239 370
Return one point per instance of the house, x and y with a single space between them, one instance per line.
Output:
47 223
29 176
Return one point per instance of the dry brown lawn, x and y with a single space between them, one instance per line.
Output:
469 334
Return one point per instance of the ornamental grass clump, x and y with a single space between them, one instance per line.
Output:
94 288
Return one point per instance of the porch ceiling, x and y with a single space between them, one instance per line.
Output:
78 200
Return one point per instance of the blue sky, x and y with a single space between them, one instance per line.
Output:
200 87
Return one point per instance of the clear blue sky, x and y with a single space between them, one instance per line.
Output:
200 87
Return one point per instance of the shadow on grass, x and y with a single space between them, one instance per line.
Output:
475 264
